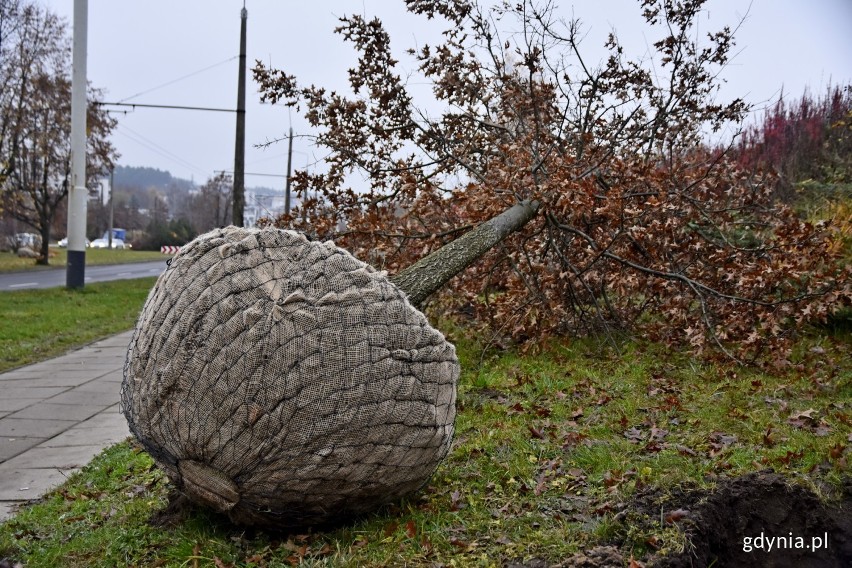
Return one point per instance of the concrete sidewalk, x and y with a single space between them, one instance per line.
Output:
55 416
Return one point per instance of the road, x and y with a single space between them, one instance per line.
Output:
54 277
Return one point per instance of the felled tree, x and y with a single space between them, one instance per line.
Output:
639 223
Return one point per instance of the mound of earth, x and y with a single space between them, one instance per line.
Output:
757 520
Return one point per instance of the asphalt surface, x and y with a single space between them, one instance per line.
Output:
54 277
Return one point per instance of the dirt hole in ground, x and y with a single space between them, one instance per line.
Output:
717 523
756 520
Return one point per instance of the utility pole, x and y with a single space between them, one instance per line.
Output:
240 150
289 169
75 275
111 202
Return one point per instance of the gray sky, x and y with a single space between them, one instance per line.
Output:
136 46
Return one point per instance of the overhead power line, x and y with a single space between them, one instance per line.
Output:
157 149
134 105
252 174
173 81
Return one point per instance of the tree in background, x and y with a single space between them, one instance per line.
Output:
211 206
639 224
176 232
35 110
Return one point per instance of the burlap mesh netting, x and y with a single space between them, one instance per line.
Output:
284 382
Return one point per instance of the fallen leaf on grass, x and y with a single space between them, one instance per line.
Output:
391 527
823 429
684 450
658 434
806 414
782 404
456 503
676 515
634 434
361 542
719 442
790 456
571 439
542 411
536 433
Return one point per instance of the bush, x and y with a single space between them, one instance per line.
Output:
176 232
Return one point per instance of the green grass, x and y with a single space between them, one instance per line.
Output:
547 445
38 324
9 262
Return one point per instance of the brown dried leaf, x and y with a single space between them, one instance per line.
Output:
676 515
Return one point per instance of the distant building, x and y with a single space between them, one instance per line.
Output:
264 203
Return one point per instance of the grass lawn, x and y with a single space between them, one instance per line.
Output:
549 449
37 324
9 262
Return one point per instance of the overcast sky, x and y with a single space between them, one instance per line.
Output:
137 46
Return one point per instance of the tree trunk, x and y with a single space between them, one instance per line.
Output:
430 273
44 257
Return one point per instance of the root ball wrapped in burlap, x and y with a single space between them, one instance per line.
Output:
284 382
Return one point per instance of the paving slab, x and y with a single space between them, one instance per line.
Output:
49 380
7 405
106 419
8 508
23 373
26 484
31 428
50 411
59 458
85 397
84 436
11 447
55 416
92 370
104 384
13 393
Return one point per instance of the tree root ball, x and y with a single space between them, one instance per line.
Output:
285 383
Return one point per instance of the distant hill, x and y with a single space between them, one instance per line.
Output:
144 178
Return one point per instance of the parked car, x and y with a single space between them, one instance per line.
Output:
63 243
104 243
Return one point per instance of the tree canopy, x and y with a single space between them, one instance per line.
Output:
641 223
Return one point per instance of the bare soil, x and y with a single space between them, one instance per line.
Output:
718 522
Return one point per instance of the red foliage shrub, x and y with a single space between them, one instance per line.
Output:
810 138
